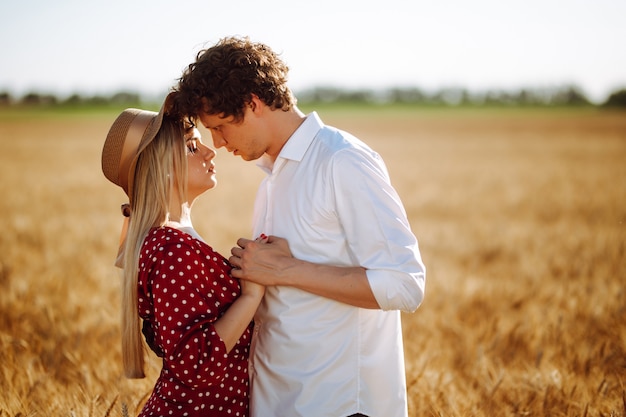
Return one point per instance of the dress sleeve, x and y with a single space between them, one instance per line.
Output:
188 299
377 229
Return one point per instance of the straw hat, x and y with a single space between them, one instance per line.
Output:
129 135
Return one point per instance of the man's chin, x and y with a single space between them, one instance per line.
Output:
248 158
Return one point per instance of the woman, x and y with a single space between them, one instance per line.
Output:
176 289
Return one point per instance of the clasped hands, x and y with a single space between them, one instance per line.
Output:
263 260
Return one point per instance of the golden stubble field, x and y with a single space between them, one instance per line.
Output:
521 218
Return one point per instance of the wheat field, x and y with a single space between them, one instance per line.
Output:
520 215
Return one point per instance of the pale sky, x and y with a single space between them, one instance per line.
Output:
101 47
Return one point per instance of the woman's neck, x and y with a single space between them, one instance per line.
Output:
181 220
180 216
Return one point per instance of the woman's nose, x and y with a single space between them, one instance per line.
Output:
209 153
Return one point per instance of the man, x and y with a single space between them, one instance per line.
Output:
340 262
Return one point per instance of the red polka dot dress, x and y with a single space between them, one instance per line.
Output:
184 287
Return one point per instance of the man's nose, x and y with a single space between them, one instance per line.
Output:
218 140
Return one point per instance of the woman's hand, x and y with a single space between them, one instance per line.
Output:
251 289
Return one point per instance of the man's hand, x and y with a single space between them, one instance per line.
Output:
263 260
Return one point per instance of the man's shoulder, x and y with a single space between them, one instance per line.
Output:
339 144
337 139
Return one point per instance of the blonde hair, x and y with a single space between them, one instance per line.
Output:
161 169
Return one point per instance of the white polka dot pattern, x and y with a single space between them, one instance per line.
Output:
184 287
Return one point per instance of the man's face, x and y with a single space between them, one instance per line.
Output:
243 138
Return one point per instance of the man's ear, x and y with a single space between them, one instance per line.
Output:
255 103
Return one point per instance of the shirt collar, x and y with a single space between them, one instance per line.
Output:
297 145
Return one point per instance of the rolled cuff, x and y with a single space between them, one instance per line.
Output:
395 290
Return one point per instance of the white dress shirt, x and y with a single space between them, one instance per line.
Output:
330 196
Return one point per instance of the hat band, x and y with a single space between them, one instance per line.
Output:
132 140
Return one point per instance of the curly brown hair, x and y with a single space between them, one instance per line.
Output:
226 75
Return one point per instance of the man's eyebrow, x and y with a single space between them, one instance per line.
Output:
214 127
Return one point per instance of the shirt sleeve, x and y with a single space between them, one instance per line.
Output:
377 229
186 299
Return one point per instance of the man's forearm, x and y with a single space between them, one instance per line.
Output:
348 285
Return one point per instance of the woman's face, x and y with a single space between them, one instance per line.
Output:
200 166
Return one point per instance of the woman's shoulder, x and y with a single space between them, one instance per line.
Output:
170 236
159 238
174 241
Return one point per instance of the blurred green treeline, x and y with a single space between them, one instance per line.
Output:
565 96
